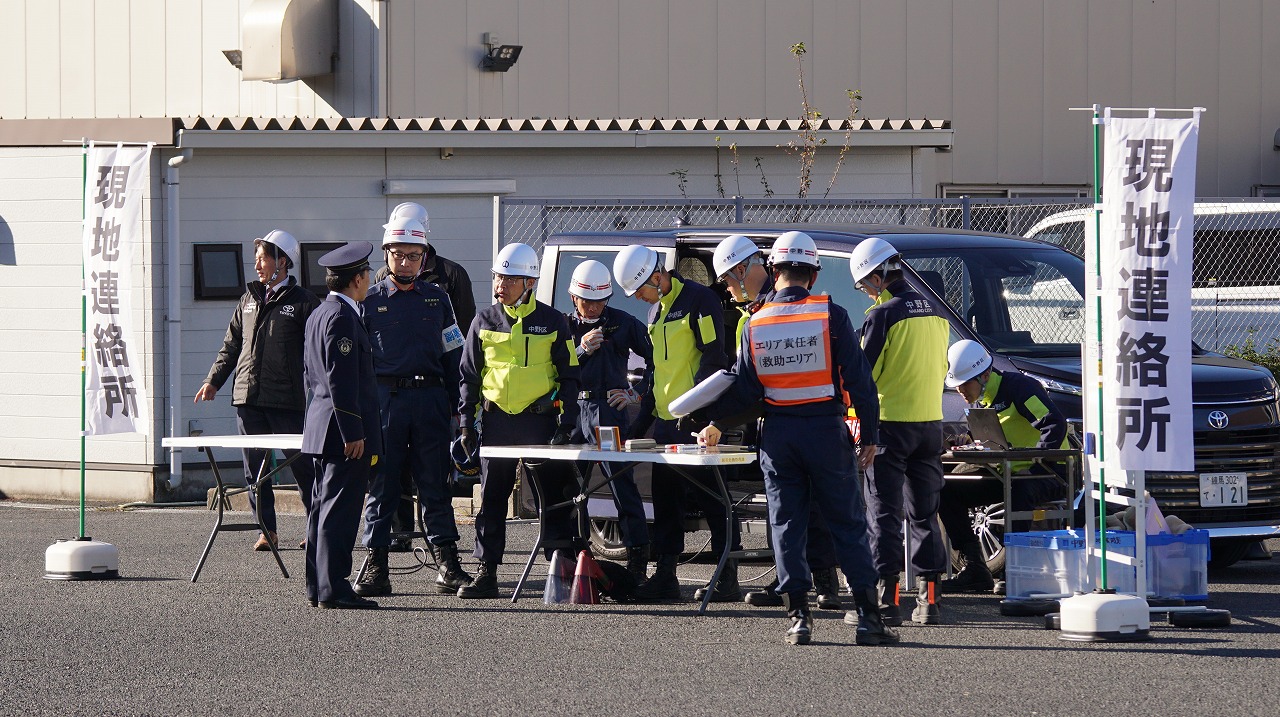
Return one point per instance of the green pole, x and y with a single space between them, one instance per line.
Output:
1097 307
84 328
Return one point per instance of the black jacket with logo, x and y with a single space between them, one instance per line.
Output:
263 347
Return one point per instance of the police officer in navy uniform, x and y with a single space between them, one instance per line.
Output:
905 338
343 430
686 327
263 347
799 355
520 379
605 338
416 347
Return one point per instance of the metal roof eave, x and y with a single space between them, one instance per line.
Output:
356 139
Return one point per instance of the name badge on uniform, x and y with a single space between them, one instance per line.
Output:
382 309
452 337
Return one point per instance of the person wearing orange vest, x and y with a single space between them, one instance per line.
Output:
799 355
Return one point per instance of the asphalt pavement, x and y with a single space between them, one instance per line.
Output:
243 641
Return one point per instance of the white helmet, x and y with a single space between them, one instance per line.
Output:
633 266
411 210
966 359
283 241
795 248
591 281
516 260
870 254
732 251
404 230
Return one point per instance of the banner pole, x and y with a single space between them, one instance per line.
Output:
1099 444
84 329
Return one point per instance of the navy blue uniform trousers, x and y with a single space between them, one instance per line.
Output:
907 476
254 421
415 431
498 479
593 413
669 492
332 524
799 479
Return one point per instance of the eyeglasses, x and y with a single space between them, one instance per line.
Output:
500 279
405 256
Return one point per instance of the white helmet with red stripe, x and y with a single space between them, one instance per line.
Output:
591 281
795 248
404 230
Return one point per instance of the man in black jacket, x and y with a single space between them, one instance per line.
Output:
263 347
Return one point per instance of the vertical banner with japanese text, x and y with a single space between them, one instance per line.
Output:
115 396
1148 195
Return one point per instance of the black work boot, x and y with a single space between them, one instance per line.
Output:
801 619
727 587
377 576
928 596
638 562
871 626
766 597
975 577
827 584
450 575
887 594
485 586
663 584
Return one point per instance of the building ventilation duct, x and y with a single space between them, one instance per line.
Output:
289 39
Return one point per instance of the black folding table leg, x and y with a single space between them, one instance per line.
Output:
217 525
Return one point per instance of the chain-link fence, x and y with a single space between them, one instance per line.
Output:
1236 270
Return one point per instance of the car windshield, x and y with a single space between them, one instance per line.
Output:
1022 302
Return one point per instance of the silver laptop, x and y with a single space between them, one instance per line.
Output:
984 425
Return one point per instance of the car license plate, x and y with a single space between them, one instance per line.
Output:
1223 490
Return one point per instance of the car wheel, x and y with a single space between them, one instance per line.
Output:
988 525
606 539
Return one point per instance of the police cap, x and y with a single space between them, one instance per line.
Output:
348 258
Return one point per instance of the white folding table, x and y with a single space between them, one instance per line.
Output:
264 442
712 458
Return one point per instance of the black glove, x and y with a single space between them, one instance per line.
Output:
562 435
468 440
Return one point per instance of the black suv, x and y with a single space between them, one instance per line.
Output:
1024 300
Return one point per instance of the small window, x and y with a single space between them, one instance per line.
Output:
219 270
312 273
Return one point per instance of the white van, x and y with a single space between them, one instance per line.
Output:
1235 293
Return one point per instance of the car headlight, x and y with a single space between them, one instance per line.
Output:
1053 384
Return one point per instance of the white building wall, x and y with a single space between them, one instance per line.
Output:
40 325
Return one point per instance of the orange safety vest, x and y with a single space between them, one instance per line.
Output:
791 351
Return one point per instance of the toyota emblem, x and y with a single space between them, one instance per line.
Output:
1218 419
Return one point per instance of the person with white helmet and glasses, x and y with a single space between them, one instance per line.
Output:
605 338
416 349
686 327
453 278
905 338
263 348
799 357
520 383
741 266
1029 419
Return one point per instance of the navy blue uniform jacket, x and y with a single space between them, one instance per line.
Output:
606 369
339 370
850 374
407 329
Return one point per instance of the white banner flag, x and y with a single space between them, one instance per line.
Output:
115 395
1144 361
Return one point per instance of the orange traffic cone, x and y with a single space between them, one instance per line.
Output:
560 579
584 580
